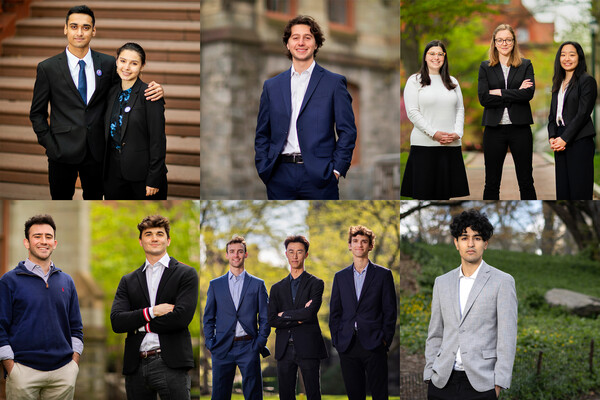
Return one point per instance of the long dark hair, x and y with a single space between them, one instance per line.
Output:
424 71
560 73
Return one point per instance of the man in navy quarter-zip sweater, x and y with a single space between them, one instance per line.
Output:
41 334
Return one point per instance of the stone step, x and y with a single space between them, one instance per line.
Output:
176 96
156 50
183 180
178 122
164 72
161 10
126 30
24 135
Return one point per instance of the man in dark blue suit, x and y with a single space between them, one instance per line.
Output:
236 325
362 318
301 111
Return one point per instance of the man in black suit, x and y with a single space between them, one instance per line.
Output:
293 306
76 83
155 304
362 318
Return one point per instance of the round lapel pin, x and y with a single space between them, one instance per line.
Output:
127 109
99 72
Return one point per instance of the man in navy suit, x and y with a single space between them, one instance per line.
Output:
75 83
236 325
362 318
301 111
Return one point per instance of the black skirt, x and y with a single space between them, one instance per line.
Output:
435 173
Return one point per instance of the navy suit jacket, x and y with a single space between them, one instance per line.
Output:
220 315
74 126
375 313
325 111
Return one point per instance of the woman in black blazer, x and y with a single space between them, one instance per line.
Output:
505 87
570 128
134 167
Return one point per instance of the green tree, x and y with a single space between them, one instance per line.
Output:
116 251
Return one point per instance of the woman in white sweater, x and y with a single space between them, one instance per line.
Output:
435 169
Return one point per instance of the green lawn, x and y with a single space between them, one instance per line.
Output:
564 339
597 169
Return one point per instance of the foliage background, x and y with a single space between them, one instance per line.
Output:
115 251
265 226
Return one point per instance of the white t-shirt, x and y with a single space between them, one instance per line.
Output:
433 108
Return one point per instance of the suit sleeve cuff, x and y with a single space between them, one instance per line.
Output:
147 327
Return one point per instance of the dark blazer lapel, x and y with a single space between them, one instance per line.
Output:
167 273
303 283
349 276
511 74
112 97
368 279
482 278
315 77
97 67
130 103
247 280
498 71
286 92
141 275
224 289
64 66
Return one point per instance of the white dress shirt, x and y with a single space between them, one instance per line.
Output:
560 121
90 75
299 84
465 284
153 275
505 117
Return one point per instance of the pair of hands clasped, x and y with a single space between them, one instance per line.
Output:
305 306
445 137
557 144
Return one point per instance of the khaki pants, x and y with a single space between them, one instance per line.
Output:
26 383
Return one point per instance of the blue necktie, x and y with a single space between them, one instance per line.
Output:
82 85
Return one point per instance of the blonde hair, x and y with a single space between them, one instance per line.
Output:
514 60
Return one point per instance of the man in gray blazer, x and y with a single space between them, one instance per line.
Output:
472 336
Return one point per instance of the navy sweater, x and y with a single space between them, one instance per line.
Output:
38 320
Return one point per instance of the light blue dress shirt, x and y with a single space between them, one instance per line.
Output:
236 283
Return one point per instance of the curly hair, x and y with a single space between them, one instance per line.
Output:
473 219
44 219
315 29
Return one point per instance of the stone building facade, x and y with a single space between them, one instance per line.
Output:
72 255
241 47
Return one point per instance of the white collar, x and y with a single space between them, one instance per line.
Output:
473 276
309 70
164 261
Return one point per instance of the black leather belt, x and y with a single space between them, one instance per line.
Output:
291 158
241 338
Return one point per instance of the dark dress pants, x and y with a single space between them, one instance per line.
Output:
62 178
153 377
248 360
287 372
496 142
291 182
458 388
355 362
574 168
118 188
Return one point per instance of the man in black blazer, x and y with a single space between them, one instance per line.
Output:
293 307
76 83
362 318
154 305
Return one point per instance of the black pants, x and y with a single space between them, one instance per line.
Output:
118 188
62 178
153 377
287 371
496 142
458 388
355 362
574 168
